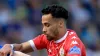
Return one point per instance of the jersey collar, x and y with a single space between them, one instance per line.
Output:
63 38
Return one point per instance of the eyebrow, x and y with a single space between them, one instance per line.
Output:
46 23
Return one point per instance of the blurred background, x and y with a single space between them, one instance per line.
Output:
20 21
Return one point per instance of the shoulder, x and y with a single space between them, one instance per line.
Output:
75 45
71 32
73 37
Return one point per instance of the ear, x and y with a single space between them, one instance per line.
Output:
61 23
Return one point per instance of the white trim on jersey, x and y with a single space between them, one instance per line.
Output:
61 39
32 44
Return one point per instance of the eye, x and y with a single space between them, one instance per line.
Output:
47 25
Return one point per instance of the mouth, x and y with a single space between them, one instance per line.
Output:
45 34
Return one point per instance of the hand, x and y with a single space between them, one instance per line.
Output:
5 50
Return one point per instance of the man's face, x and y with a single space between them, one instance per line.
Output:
50 26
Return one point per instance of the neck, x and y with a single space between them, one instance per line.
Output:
61 34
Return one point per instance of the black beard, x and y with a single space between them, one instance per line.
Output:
49 38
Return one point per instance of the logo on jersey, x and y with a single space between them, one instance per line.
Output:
74 50
61 52
73 37
74 42
71 33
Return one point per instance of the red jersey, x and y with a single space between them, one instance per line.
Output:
68 45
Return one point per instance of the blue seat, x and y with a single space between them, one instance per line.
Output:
0 47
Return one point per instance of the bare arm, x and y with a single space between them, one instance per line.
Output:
26 47
23 47
18 53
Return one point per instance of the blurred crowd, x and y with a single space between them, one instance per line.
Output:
20 21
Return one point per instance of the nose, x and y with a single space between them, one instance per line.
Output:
44 30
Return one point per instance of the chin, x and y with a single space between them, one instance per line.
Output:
49 38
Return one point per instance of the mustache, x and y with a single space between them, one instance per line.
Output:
45 33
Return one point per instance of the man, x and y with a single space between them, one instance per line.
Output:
56 38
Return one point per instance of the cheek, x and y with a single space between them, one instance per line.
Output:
53 30
50 29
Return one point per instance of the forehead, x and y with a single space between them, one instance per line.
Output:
47 18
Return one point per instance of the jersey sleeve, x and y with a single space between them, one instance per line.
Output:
76 47
38 42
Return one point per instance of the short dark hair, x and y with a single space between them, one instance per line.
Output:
56 11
